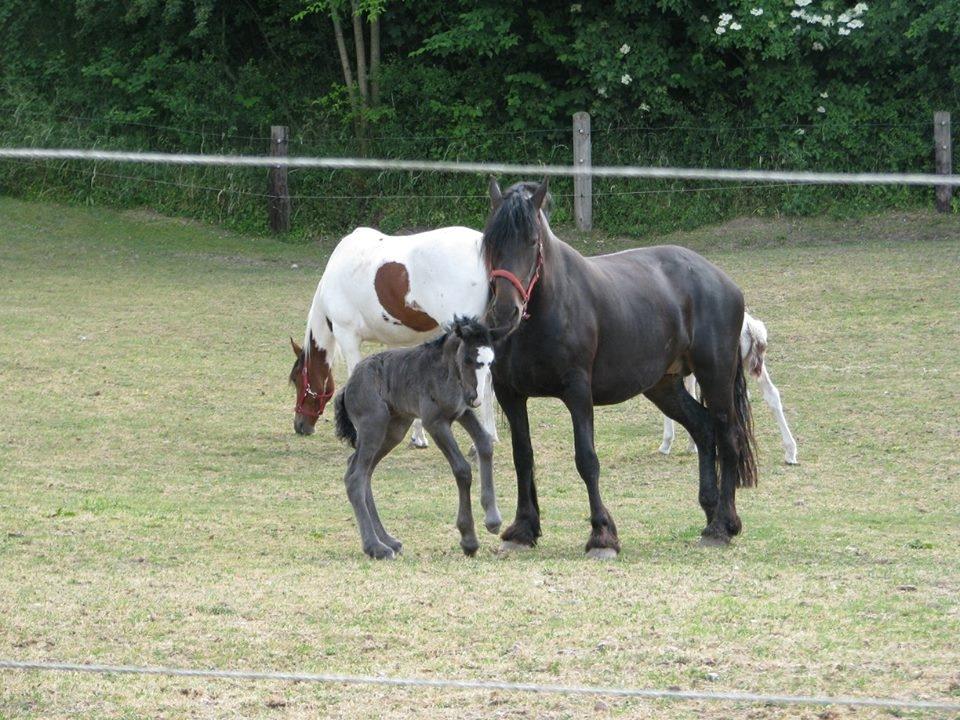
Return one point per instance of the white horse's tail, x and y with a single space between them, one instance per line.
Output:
753 344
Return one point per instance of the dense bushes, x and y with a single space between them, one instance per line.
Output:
770 83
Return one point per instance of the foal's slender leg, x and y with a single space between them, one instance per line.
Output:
578 397
772 397
395 433
371 433
671 396
484 445
525 529
443 436
668 434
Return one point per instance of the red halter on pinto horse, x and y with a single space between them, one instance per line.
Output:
601 330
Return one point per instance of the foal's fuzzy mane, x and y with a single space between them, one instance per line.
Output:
469 329
514 221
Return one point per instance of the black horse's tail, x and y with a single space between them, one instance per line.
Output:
746 455
345 429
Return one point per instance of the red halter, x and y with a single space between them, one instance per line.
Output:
306 391
525 293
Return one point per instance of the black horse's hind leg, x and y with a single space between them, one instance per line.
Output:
676 403
578 398
718 396
525 528
396 431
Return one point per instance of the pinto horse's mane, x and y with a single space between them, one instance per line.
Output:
513 222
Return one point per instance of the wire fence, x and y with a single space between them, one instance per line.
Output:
485 168
445 683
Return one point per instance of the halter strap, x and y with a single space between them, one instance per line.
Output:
525 292
306 391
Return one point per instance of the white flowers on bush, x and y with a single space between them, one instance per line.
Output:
644 107
817 46
843 31
576 7
602 91
757 11
626 79
624 49
735 26
824 95
803 3
704 18
800 131
854 24
821 109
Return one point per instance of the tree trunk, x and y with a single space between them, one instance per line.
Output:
374 61
344 59
361 52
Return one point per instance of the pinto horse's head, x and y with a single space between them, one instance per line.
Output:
313 378
513 250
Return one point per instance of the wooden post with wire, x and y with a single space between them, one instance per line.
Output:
943 158
278 191
582 160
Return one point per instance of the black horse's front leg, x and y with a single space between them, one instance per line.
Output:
525 529
578 398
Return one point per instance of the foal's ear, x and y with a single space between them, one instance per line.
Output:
541 193
498 334
496 197
296 348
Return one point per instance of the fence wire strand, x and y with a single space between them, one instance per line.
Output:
487 168
643 693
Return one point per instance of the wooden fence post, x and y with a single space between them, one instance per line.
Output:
943 154
278 192
582 160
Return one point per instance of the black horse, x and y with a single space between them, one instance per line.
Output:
601 330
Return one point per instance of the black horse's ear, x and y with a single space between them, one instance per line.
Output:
496 197
541 193
296 348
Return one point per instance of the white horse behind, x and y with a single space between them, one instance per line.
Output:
393 290
753 348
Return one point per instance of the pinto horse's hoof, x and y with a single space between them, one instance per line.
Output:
381 552
602 553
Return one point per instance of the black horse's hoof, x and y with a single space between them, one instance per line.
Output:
712 536
470 548
602 554
520 534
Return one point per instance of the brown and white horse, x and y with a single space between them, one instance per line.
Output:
394 290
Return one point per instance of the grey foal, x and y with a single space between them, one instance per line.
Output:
440 382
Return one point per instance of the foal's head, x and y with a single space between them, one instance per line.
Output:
312 375
513 249
468 349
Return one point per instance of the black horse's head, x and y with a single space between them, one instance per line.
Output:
513 249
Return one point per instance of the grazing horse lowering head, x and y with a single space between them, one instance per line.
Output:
468 351
513 249
313 377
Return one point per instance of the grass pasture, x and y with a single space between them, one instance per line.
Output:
156 507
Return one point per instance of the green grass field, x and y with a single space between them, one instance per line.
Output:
157 508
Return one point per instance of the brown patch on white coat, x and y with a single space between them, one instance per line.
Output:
392 284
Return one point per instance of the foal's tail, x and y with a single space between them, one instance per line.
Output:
743 427
345 429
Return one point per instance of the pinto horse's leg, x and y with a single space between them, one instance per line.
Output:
484 447
690 383
418 438
674 401
578 397
525 529
668 434
772 397
442 435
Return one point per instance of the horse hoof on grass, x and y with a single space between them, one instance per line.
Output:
381 552
663 450
509 546
712 540
794 461
602 554
492 528
470 550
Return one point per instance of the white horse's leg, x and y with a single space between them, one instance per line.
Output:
772 397
349 345
418 438
690 383
488 416
668 435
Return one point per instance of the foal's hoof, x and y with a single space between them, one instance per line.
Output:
381 552
493 523
792 461
470 548
602 554
509 546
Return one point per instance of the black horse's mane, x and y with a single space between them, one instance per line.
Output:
514 222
